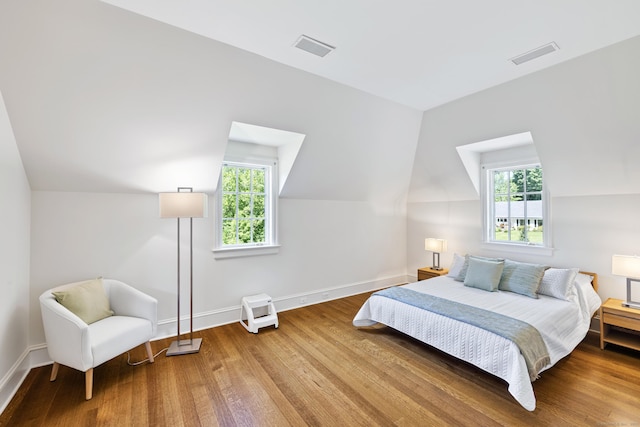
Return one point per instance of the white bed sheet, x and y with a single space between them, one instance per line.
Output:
562 324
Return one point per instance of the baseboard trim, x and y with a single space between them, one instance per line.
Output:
32 357
37 355
224 316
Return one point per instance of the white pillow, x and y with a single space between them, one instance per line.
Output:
584 279
456 265
558 282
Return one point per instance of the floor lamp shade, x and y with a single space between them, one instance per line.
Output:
184 204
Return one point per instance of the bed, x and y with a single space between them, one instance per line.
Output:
560 309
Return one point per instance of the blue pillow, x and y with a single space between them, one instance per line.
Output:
521 278
484 274
463 270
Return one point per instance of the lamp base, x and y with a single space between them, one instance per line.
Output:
631 304
184 347
436 268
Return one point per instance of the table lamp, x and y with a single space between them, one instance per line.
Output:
629 267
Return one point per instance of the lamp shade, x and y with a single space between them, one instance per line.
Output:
435 245
183 205
625 265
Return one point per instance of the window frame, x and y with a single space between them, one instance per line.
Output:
270 245
487 197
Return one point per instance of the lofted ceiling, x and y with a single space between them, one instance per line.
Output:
419 53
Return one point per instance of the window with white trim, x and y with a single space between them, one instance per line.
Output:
515 205
246 205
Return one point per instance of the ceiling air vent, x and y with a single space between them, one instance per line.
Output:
535 53
313 46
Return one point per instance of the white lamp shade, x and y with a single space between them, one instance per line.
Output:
435 245
183 205
625 265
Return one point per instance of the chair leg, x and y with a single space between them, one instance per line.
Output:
54 371
89 384
149 352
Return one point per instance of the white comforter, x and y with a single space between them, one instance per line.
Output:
562 324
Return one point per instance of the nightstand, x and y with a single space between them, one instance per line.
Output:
429 273
619 325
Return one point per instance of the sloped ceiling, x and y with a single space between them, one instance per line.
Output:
582 115
105 100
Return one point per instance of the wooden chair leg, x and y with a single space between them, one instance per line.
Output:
54 371
149 352
89 384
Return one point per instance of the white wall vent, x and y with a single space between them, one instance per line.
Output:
535 53
313 46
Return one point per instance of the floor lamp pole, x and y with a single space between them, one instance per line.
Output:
191 281
191 345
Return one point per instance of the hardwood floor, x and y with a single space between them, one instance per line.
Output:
317 369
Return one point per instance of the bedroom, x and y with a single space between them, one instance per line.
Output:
582 112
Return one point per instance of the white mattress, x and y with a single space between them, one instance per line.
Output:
562 324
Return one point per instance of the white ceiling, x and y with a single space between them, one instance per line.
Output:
420 53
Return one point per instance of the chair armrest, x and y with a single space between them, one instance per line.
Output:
128 301
67 335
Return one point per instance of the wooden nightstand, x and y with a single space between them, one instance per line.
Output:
612 313
429 273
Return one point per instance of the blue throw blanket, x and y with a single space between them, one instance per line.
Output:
525 336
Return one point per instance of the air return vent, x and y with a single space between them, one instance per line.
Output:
313 46
535 53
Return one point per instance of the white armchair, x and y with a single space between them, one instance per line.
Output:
73 343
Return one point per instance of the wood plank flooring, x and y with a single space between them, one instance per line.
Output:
318 370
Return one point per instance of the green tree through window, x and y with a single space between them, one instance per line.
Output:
517 205
243 204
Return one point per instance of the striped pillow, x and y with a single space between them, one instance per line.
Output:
521 278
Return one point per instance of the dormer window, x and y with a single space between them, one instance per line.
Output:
515 205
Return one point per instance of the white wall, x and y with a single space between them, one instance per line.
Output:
583 117
14 255
327 247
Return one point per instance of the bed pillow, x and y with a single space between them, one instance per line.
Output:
87 300
483 274
463 271
583 279
558 282
521 278
456 265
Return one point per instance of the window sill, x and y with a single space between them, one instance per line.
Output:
517 248
244 252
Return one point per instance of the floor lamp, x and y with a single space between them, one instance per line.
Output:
184 204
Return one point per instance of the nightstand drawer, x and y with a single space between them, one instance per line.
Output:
622 321
424 276
429 273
